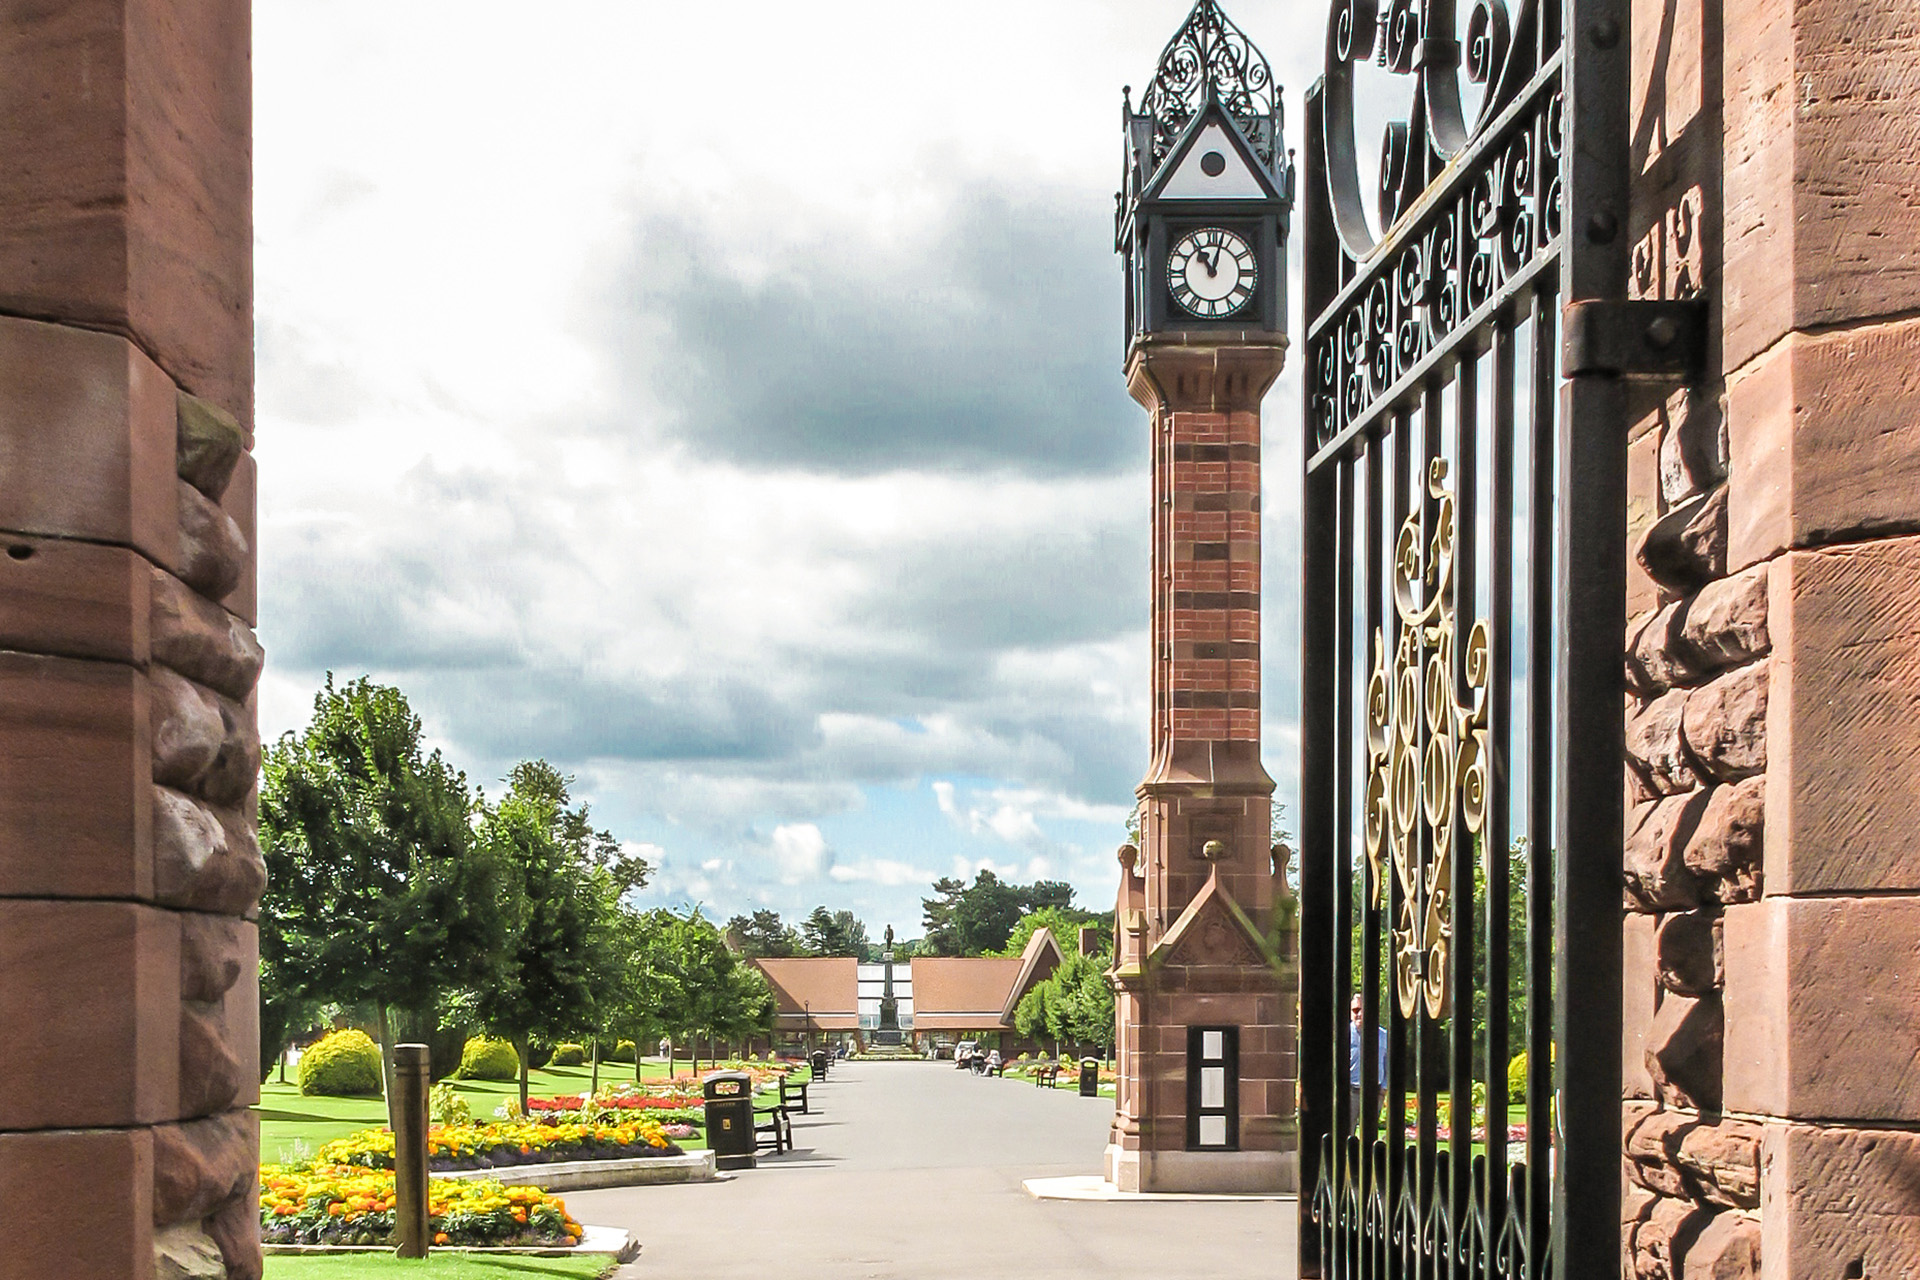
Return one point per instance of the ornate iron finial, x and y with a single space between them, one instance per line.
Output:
1210 57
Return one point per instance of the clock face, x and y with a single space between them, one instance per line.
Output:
1211 273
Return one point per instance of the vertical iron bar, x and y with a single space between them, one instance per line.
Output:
1319 1023
1343 842
1499 784
1370 939
1466 482
1592 481
1429 1038
1401 1168
1543 619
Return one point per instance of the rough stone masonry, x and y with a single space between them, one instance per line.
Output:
129 748
1772 958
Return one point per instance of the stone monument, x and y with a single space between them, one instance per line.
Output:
1204 957
889 1032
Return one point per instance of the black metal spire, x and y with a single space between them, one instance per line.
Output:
1211 58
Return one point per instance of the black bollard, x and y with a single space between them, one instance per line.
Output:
411 1074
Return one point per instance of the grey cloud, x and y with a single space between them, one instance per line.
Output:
991 346
1031 588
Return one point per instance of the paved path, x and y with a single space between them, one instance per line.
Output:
913 1170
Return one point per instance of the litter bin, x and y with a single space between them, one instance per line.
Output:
819 1063
1089 1077
729 1098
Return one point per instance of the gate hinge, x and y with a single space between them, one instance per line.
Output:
1659 341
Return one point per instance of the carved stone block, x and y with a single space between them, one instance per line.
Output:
1685 1050
1725 724
1726 847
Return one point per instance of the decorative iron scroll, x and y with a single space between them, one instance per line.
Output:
1427 752
1209 55
1466 205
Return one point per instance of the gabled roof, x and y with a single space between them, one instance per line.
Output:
1242 175
961 993
1038 960
823 988
1213 930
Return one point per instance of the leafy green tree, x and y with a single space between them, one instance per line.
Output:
1063 923
749 1006
834 933
1031 1016
685 980
561 968
1091 1021
377 891
764 934
977 919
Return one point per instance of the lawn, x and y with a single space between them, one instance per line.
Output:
294 1126
441 1266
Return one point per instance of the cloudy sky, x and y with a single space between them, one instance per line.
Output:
723 401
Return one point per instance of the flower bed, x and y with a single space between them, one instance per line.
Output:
338 1204
513 1142
568 1102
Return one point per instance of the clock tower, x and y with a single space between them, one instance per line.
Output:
1204 961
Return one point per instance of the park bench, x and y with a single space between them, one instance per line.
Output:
777 1126
788 1092
1046 1075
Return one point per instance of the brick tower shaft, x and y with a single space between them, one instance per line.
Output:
1204 921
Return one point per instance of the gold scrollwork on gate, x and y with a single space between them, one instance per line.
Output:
1427 747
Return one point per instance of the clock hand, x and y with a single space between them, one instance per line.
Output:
1213 263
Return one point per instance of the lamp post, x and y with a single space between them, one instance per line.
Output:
806 1012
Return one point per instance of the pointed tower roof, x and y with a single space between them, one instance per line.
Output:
1211 59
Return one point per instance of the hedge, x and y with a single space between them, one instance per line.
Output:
341 1065
569 1055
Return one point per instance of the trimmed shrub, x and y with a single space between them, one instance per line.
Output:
485 1059
625 1051
342 1065
569 1055
1517 1078
539 1054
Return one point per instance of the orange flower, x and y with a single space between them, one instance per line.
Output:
439 1237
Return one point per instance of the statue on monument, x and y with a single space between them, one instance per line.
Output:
889 1031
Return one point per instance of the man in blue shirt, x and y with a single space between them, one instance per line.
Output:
1354 1063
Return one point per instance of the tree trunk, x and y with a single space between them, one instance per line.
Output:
385 1028
520 1047
596 1068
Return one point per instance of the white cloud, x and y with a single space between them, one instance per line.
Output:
475 484
800 851
885 871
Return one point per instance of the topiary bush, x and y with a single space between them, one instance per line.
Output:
485 1059
569 1055
1517 1078
539 1054
624 1051
341 1065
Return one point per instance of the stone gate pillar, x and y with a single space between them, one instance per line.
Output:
1772 982
1204 963
128 742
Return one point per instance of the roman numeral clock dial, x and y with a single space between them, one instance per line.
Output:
1211 273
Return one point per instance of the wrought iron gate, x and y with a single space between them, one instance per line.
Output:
1464 606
